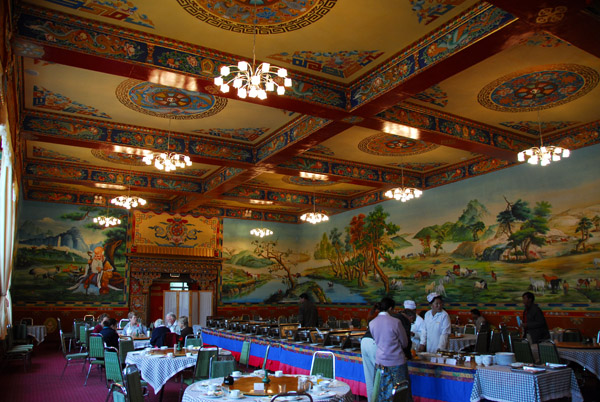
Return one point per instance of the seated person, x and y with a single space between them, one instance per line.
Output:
158 335
481 324
100 325
134 327
184 327
171 322
109 333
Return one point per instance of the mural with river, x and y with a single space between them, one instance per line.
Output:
484 240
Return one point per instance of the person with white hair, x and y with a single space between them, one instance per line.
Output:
436 326
159 333
415 328
171 323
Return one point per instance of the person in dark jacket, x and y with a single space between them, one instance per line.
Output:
534 322
159 333
184 327
307 314
109 333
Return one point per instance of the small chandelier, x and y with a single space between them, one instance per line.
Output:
128 202
251 80
542 154
261 232
107 221
167 161
403 193
314 217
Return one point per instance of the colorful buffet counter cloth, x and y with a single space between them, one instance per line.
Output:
522 386
430 382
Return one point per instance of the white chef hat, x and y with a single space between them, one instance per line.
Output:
410 305
432 296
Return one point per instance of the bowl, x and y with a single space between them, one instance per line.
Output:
505 358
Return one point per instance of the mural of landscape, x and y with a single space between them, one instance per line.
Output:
484 240
63 256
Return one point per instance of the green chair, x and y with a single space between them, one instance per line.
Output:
495 342
323 362
470 329
548 353
221 368
68 335
522 350
14 346
77 332
126 345
482 343
114 375
72 357
84 337
376 385
133 383
95 354
20 335
245 354
401 391
201 370
572 335
193 341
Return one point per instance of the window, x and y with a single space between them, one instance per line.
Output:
178 286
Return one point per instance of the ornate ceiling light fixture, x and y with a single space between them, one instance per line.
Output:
403 193
314 217
107 220
251 80
542 154
261 232
167 161
128 201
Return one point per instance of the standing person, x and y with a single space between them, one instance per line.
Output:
98 328
109 333
307 313
368 349
159 333
134 327
390 338
415 328
436 327
534 322
481 324
171 323
406 317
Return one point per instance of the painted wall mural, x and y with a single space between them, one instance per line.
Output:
485 240
64 257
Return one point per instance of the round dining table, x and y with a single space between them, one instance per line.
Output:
334 390
456 343
586 355
157 367
38 332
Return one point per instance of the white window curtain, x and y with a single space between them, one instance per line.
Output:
8 202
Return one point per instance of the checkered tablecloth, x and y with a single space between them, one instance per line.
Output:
338 391
501 384
39 332
588 358
141 344
456 344
157 369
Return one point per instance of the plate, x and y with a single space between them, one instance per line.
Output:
555 366
329 346
314 344
323 394
517 365
212 396
291 398
240 396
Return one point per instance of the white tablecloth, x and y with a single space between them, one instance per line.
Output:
39 332
456 344
337 391
500 383
588 358
157 369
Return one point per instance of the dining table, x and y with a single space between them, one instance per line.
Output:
38 332
507 384
157 367
330 390
586 355
460 341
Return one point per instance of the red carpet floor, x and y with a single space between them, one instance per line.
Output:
42 381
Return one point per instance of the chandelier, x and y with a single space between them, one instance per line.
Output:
107 220
314 217
167 161
128 201
403 193
542 154
252 80
261 232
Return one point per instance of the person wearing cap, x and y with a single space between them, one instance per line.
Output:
436 327
390 338
415 328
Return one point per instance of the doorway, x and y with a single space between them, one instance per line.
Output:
195 304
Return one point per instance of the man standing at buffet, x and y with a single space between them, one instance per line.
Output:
534 322
307 314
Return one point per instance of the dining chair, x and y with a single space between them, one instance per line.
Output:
401 391
197 329
126 345
548 353
20 335
88 317
170 339
71 357
123 323
133 383
77 332
323 362
201 369
522 350
376 385
293 396
495 342
191 340
482 343
83 338
12 344
572 335
245 354
68 335
27 320
470 329
114 375
15 352
598 337
95 354
220 368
